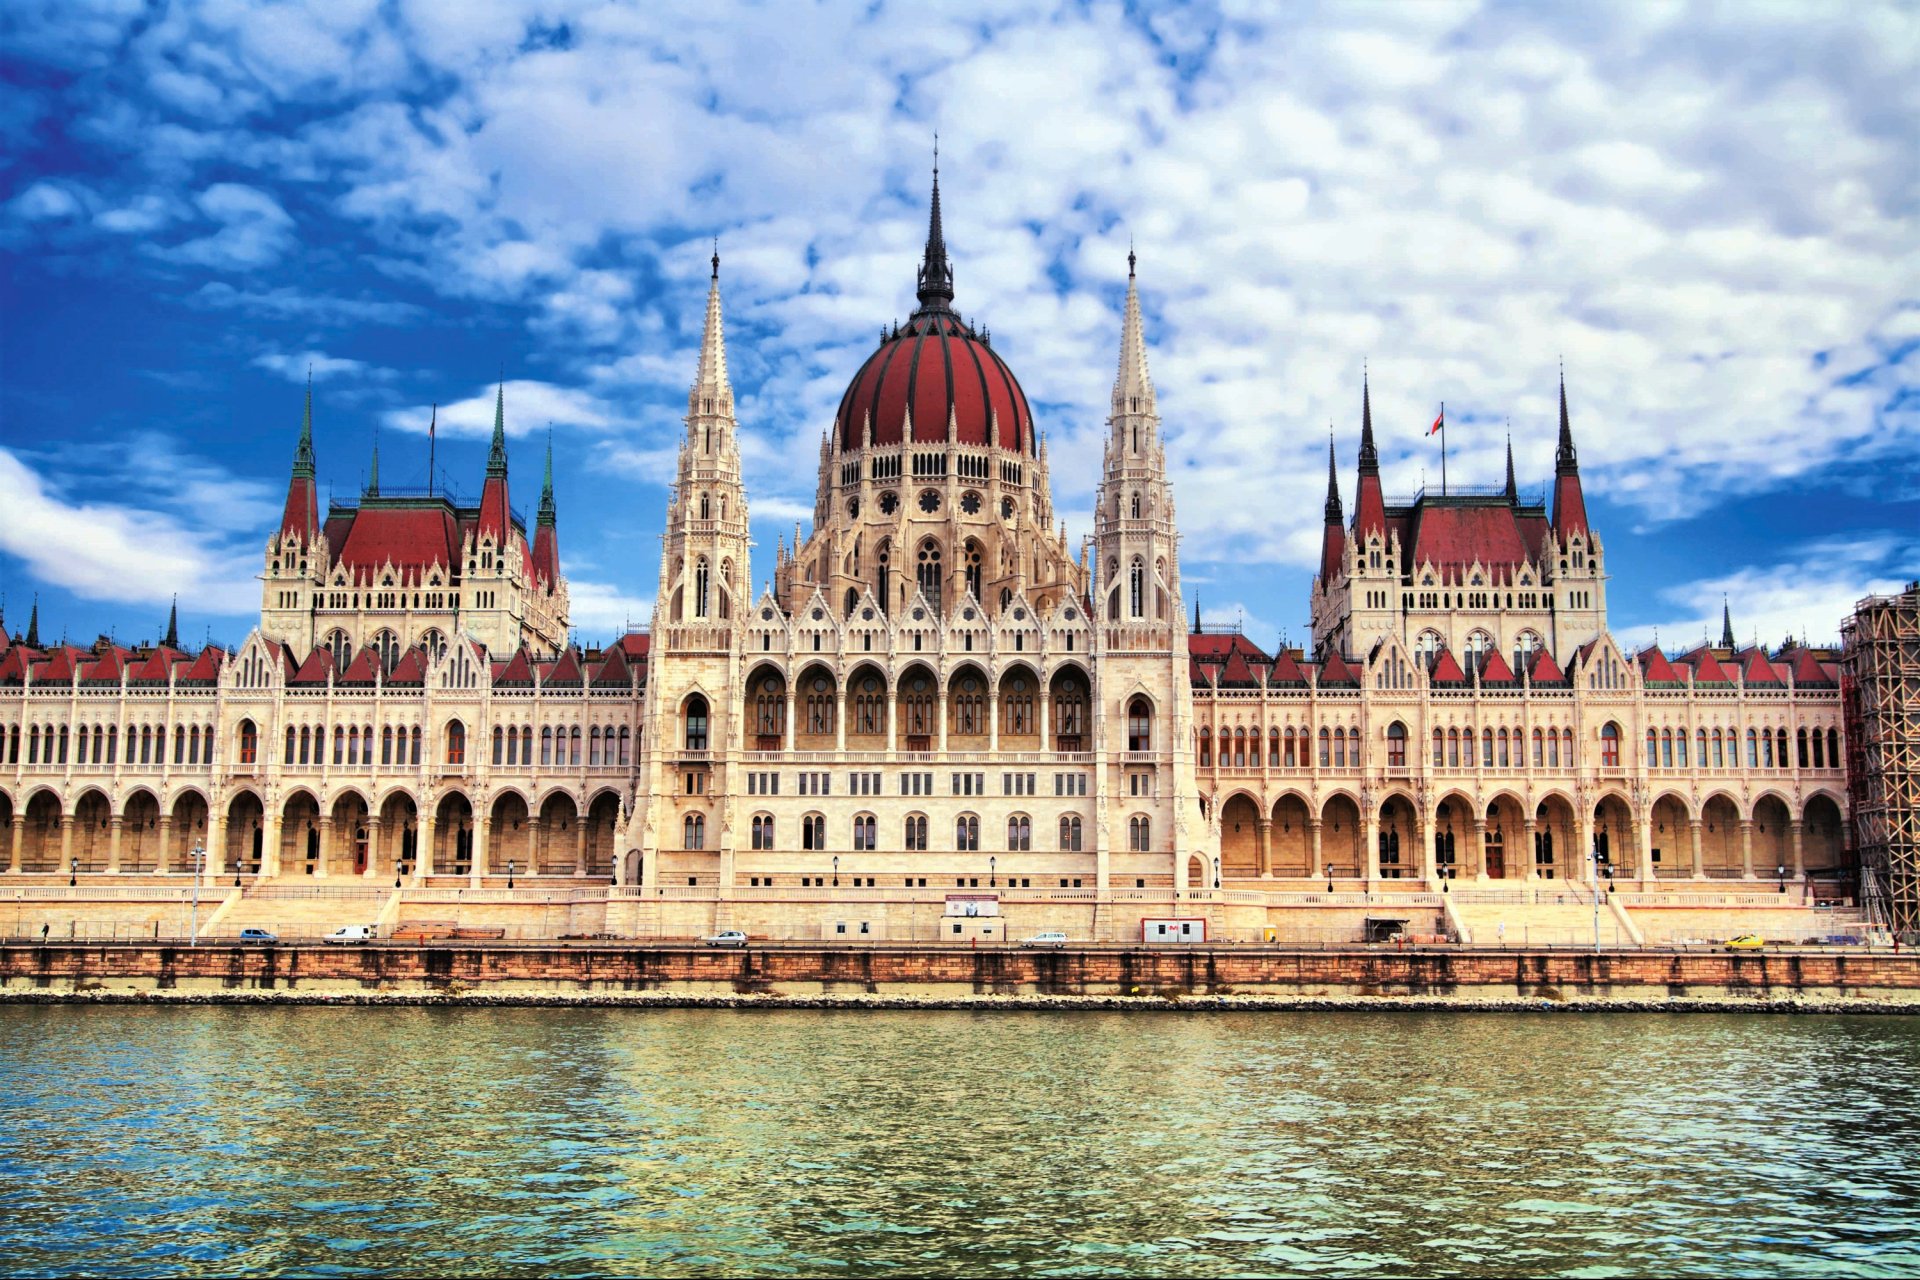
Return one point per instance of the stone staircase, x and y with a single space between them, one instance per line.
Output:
1525 917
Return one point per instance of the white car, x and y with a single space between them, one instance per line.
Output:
351 935
726 938
1046 938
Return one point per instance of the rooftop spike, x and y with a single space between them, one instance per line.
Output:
33 624
712 381
1565 461
373 469
303 452
1132 385
1369 456
173 625
1513 490
497 456
1726 623
936 276
1335 514
548 514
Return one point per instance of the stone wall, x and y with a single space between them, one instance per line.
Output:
948 971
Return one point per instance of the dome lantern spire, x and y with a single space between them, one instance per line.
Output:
936 274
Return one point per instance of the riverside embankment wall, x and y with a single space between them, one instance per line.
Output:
37 972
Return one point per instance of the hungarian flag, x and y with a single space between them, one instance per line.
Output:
1438 422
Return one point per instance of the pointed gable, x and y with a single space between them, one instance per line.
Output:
566 669
1446 670
14 665
1494 669
1335 669
1655 669
106 668
1758 670
156 666
206 667
364 669
411 669
614 672
59 665
315 669
1546 670
517 670
1807 671
1707 669
1287 671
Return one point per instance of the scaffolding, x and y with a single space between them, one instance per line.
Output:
1881 687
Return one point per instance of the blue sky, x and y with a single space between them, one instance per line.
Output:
1710 216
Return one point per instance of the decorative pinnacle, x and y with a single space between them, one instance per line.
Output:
1369 456
1566 461
303 452
1513 490
1334 510
548 515
1133 382
173 625
497 456
712 380
936 275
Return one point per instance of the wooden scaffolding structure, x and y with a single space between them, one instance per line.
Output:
1881 663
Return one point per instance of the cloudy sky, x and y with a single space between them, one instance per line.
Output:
1708 214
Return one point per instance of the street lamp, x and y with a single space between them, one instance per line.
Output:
199 855
992 869
836 871
1782 872
509 873
73 871
1216 873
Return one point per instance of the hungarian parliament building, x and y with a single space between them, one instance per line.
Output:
936 700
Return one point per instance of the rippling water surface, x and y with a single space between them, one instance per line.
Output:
461 1141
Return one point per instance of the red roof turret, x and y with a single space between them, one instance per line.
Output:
1446 669
496 516
1369 506
300 519
1569 503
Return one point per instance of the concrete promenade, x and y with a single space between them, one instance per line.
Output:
922 974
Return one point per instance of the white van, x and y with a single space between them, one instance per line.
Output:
352 934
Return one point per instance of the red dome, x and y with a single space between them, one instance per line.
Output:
935 366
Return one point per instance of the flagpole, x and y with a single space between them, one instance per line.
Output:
1443 448
432 425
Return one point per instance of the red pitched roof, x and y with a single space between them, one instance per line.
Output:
516 670
1335 670
206 667
315 670
1706 668
1655 668
411 669
59 664
1453 538
614 671
14 664
1759 670
634 644
156 666
1286 670
411 537
1546 670
1446 670
107 667
1494 669
566 670
301 518
1807 669
364 669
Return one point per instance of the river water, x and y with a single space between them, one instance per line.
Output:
141 1141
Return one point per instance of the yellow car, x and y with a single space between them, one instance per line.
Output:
1746 942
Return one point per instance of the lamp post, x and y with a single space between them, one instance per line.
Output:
509 873
993 864
1216 873
199 855
836 871
73 871
1781 871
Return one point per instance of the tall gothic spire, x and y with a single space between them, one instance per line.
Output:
1726 624
936 276
1513 490
548 515
1334 511
172 640
497 455
373 470
300 518
1369 456
1569 502
712 379
303 452
1565 460
33 625
1369 504
1133 385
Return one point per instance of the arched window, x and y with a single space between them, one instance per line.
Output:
546 744
763 831
694 832
499 745
928 574
1538 755
1139 725
696 718
1070 834
1426 645
1140 833
972 557
249 743
626 745
1666 748
1206 748
1653 748
1780 748
966 833
339 648
573 743
1833 749
820 705
813 832
865 832
701 586
1019 833
1610 745
1136 504
916 833
1396 745
435 643
414 756
456 742
1453 748
1016 707
593 746
387 645
1137 588
1439 748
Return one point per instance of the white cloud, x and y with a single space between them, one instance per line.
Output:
254 230
119 553
601 611
288 303
298 365
47 201
530 407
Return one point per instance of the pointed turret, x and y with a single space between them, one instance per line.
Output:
496 515
936 275
1333 539
300 519
1133 385
546 536
1569 503
373 470
33 625
172 640
711 381
1513 490
1726 624
1196 613
1369 505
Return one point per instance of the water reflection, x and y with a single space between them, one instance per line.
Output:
436 1141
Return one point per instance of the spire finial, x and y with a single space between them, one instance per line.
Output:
373 470
1335 514
547 514
936 275
1513 490
716 257
173 624
303 452
33 623
1726 623
1133 385
497 456
1566 461
1130 257
711 382
1369 456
